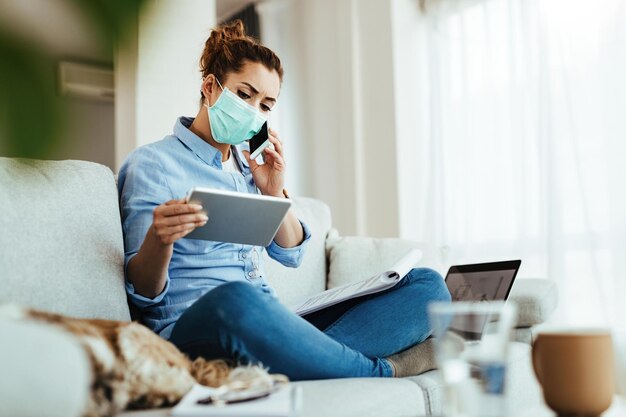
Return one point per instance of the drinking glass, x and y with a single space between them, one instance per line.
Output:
471 346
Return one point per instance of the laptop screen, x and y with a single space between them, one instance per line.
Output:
482 282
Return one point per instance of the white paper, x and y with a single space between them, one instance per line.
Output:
371 285
276 405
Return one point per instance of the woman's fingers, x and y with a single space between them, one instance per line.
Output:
176 218
171 202
274 133
177 209
277 158
180 235
169 234
171 230
182 219
278 145
251 162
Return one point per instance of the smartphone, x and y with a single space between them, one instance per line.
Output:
259 142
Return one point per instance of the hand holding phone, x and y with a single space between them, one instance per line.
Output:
269 175
259 142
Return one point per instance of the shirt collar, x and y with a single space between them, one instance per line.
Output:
243 162
204 150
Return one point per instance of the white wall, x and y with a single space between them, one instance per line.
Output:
88 132
125 67
157 73
377 110
345 107
333 120
289 116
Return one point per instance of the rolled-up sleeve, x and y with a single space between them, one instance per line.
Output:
141 301
291 257
142 188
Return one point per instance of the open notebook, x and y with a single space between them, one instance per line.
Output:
368 286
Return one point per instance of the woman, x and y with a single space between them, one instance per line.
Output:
211 299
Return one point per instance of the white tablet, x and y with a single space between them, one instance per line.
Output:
235 217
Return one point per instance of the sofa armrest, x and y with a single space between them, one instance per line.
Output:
536 300
45 372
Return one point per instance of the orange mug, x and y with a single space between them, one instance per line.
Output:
575 369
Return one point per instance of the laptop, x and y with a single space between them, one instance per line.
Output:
482 282
479 282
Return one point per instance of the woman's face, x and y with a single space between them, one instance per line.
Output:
255 84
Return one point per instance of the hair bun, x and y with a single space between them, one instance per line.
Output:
225 33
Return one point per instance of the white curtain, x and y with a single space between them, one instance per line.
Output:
524 154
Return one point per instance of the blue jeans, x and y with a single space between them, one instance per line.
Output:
352 339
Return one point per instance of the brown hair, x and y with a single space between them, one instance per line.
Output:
229 47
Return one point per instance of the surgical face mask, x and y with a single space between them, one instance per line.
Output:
232 120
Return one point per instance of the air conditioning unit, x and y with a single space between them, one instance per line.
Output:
87 81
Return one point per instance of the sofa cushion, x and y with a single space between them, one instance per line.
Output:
293 285
522 389
61 238
536 300
361 397
351 397
523 334
356 258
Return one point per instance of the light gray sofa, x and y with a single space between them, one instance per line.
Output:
62 251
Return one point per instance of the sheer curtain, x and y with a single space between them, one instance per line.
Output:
524 155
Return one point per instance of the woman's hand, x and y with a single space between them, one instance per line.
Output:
269 177
147 270
175 219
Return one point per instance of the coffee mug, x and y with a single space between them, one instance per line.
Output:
575 369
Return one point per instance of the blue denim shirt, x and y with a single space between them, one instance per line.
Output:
166 170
